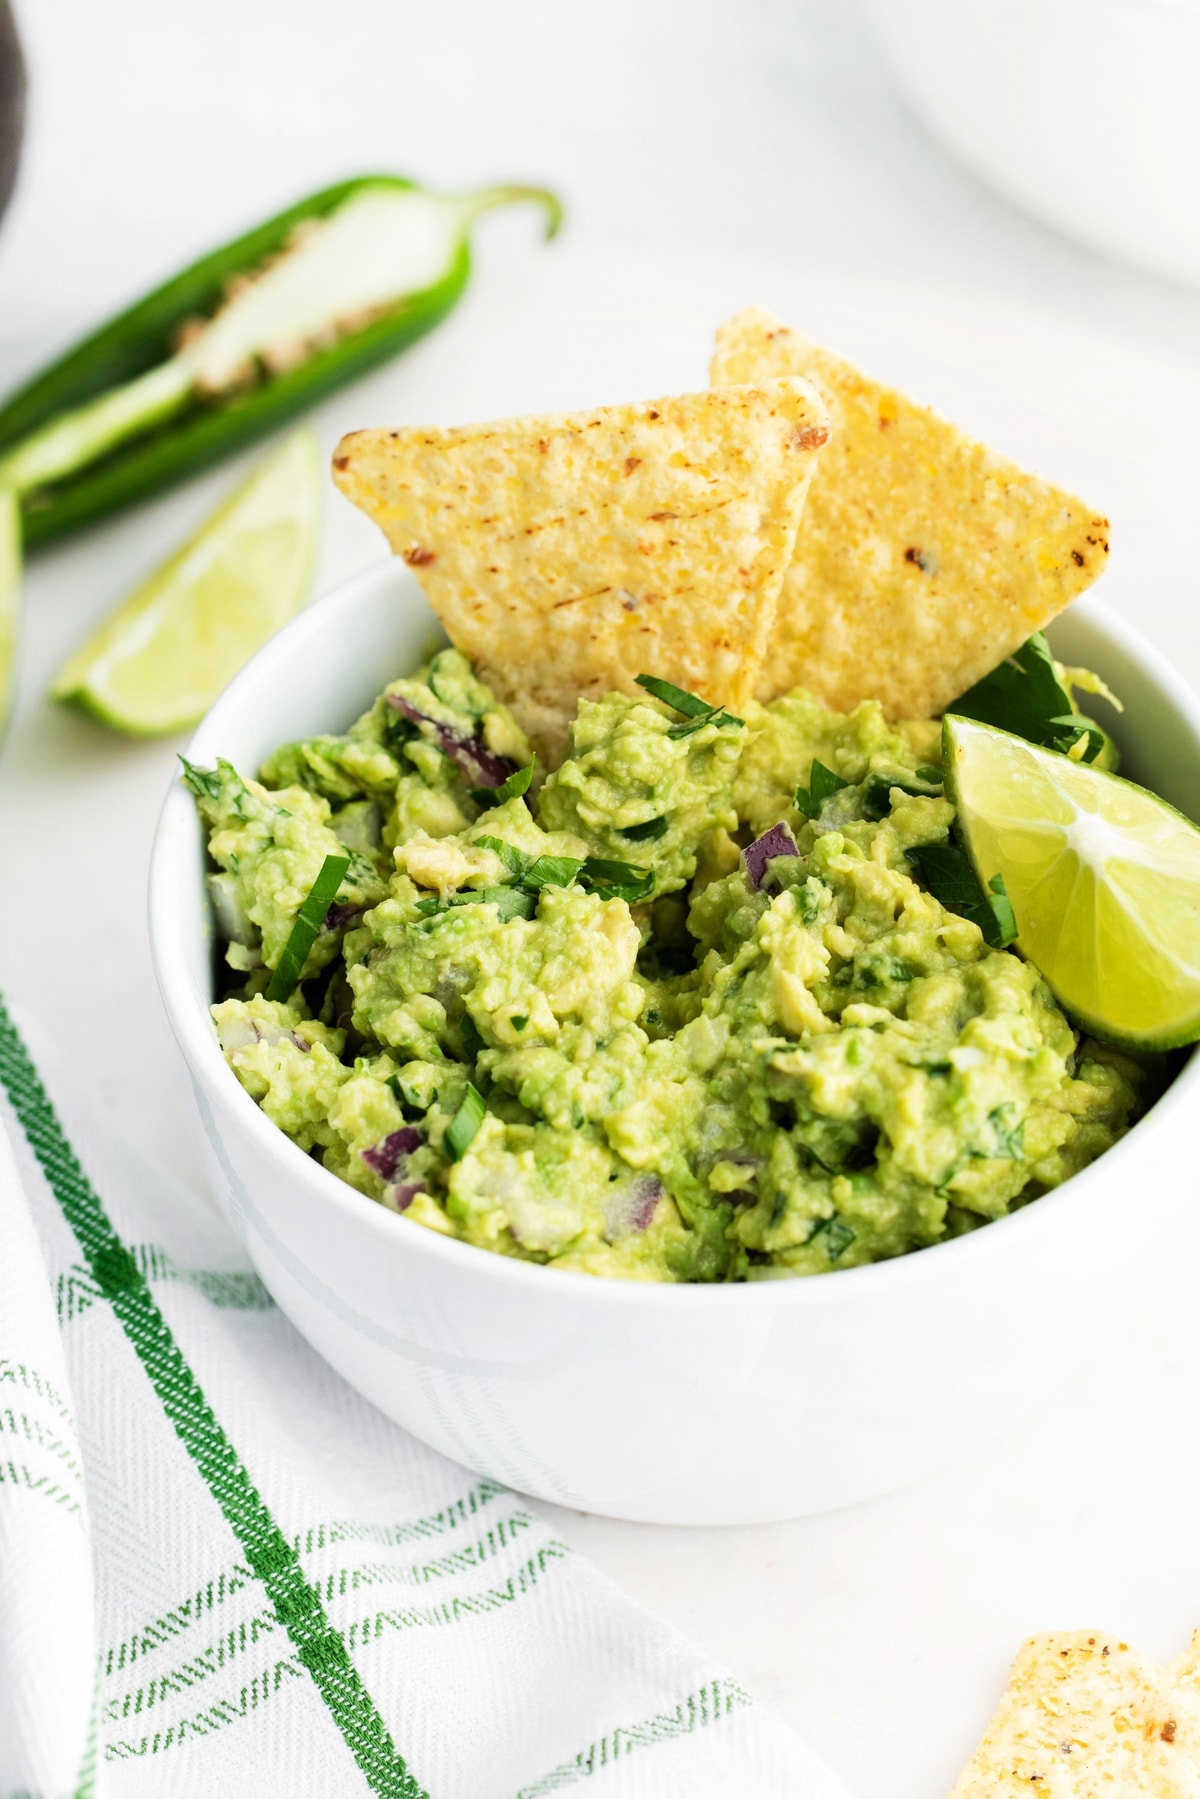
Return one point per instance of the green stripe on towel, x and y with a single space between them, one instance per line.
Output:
297 1604
707 1705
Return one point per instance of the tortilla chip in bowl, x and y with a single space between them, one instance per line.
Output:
566 554
923 558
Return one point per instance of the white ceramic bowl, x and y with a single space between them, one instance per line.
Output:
1085 112
671 1404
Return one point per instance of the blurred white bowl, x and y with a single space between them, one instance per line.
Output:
678 1405
1084 112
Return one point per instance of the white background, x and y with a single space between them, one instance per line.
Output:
736 128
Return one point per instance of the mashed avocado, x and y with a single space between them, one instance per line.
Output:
709 1065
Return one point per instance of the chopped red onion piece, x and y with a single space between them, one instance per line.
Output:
402 1197
778 841
646 1194
239 1033
481 767
630 1205
383 1158
339 914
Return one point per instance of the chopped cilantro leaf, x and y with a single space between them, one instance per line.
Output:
838 1236
516 861
617 880
307 927
1002 911
1021 694
551 871
838 1239
620 880
946 872
408 1099
697 711
205 783
821 783
688 703
1075 731
519 1020
602 868
1009 1137
648 832
513 788
877 789
510 902
460 1132
1026 696
718 716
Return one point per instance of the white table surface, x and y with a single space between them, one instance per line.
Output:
705 133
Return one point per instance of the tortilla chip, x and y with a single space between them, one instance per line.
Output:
923 559
569 553
1084 1715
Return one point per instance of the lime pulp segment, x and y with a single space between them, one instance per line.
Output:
1104 879
160 660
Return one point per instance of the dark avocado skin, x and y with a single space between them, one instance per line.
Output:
12 102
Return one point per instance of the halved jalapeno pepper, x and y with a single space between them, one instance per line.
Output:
237 344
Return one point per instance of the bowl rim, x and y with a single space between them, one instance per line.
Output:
197 1042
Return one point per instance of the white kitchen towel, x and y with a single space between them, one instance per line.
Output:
224 1573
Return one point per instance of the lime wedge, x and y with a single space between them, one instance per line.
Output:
10 598
1104 879
160 660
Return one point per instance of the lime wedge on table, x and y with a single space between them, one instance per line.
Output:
10 598
1104 879
164 655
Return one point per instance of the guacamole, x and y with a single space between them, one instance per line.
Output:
680 1010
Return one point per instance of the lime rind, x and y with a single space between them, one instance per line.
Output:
1116 903
157 663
